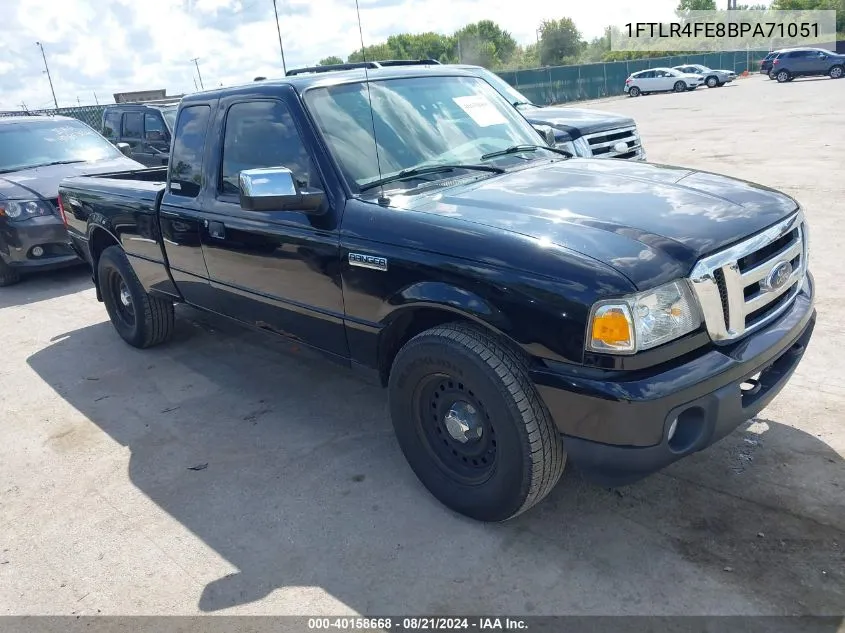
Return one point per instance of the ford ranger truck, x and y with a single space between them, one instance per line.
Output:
521 306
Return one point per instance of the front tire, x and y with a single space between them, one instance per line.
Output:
634 91
712 81
141 319
836 72
782 76
680 86
471 424
8 275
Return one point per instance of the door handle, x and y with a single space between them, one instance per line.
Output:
217 230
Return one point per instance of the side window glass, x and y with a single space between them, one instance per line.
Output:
188 147
263 134
132 125
111 124
153 127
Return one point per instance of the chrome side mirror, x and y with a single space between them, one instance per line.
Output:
125 149
274 189
547 133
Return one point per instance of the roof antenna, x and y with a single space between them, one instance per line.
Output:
382 200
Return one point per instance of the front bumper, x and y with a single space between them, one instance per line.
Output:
18 239
617 430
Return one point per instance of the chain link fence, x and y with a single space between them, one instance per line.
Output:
92 115
560 84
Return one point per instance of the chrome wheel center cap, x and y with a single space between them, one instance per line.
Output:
125 297
462 422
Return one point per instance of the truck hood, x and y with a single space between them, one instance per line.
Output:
44 182
575 121
650 222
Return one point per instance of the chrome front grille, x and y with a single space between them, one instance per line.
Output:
748 285
603 144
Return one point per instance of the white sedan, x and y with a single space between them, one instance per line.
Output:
712 77
661 80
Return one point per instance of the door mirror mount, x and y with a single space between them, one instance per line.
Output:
275 189
125 149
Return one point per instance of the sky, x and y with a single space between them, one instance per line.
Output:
99 47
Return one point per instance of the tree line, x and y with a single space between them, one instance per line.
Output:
559 42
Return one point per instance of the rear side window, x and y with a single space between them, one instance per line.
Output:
132 127
111 124
188 147
153 127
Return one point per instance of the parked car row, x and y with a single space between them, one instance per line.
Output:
787 64
677 79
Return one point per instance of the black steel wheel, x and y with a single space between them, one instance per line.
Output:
142 320
471 424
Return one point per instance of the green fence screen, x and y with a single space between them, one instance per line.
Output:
543 86
560 84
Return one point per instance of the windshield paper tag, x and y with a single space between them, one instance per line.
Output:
480 109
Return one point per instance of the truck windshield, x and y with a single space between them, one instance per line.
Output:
418 121
169 114
37 143
507 91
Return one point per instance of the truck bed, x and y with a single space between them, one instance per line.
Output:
140 185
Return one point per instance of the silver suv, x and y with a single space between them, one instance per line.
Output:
806 62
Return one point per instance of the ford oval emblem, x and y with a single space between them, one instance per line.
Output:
777 277
620 147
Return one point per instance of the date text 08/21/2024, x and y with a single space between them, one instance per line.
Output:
417 623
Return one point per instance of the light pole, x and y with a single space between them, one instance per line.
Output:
196 63
50 79
279 31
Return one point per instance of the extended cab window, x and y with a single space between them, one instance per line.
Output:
263 134
132 125
111 124
188 147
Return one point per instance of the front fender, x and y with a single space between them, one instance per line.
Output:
444 296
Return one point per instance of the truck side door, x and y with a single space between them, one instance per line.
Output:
156 147
132 132
180 212
276 270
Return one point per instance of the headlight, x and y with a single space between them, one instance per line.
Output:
24 209
644 320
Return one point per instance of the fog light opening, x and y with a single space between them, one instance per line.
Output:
686 429
37 251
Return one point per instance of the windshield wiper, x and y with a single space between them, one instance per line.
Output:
414 172
517 149
58 162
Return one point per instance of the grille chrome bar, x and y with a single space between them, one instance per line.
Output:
602 147
730 298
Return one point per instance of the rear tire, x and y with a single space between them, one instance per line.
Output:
680 86
782 76
836 72
634 91
471 424
712 81
142 320
8 275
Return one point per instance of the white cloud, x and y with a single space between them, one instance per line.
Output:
107 46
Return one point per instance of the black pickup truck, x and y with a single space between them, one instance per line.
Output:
520 305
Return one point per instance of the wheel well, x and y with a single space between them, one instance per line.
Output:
99 241
406 327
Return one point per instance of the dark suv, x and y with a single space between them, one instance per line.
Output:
806 62
766 63
145 128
